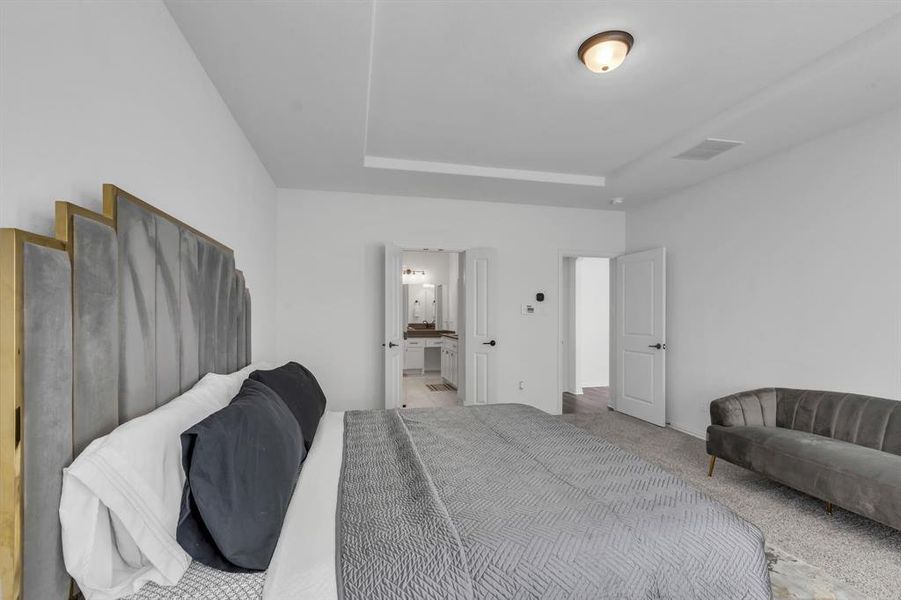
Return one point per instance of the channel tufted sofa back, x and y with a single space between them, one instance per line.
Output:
863 420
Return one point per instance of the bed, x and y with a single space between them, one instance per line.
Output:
505 501
498 501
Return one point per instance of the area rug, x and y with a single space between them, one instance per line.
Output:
851 556
440 387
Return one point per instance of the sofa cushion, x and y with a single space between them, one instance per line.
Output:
862 420
861 479
752 408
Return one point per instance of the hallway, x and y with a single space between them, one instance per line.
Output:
591 400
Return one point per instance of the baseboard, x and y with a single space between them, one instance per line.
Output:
687 431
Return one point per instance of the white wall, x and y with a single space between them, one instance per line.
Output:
593 321
784 273
331 311
94 92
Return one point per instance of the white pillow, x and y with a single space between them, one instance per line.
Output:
121 497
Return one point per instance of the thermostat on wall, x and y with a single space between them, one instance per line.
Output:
528 309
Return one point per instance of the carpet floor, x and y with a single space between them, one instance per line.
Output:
852 549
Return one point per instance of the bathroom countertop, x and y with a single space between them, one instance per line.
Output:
429 333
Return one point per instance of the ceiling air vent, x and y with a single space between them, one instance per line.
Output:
708 149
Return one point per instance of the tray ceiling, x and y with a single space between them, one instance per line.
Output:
487 100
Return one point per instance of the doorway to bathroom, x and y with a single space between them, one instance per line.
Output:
430 302
440 345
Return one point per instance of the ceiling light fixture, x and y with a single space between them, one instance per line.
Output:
605 51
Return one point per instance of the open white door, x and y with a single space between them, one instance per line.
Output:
480 282
641 335
394 328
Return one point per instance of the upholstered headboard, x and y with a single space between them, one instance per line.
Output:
115 316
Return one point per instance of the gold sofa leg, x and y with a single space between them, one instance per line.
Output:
829 507
710 468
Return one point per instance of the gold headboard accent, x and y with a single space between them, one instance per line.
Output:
111 193
12 242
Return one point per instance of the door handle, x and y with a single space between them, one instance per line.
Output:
491 343
391 345
658 346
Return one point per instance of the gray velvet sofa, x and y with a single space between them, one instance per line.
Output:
842 448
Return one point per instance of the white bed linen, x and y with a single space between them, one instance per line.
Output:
121 497
303 565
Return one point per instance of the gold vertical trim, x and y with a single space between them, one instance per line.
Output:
10 412
12 339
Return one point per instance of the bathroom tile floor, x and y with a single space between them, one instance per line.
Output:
418 395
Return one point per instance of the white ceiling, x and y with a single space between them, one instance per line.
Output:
487 100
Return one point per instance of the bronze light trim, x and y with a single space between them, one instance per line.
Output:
605 36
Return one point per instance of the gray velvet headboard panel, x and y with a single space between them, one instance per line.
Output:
178 306
217 332
47 425
137 311
119 314
169 324
94 252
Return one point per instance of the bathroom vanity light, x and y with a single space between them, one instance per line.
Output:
409 275
605 51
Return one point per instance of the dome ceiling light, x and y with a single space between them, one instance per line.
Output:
605 51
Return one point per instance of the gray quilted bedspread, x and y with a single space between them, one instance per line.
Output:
506 502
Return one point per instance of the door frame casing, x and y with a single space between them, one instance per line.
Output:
392 392
564 294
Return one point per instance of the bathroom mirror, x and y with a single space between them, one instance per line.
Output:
423 303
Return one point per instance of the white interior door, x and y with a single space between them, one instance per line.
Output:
641 335
394 327
480 284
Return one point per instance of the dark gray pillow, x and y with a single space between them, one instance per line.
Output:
241 464
295 385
